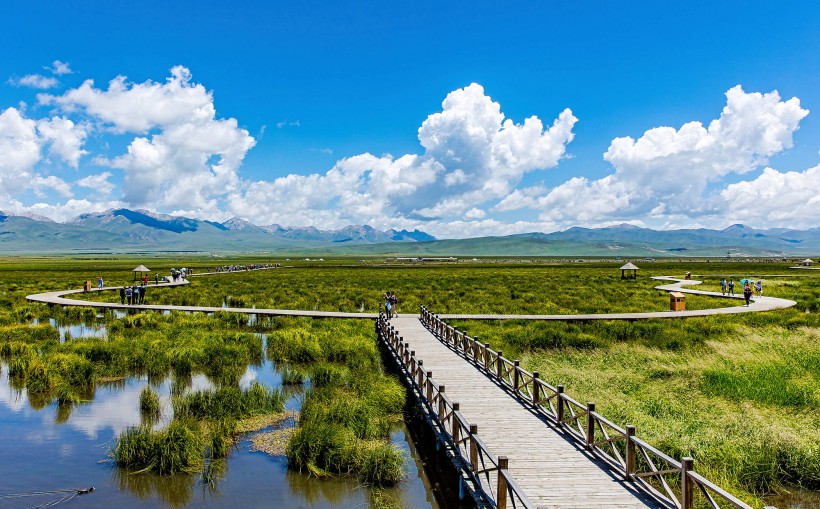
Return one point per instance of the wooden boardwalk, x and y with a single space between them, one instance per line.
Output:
58 298
761 303
526 443
677 285
551 469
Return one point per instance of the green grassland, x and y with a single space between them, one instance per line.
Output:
739 393
476 288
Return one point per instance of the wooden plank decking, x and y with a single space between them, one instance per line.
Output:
551 469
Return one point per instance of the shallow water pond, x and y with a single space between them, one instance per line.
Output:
58 448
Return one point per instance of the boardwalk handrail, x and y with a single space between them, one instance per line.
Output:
673 483
487 471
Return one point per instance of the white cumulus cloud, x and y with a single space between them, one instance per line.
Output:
666 171
186 158
35 81
66 138
139 107
19 150
98 183
785 199
59 68
472 155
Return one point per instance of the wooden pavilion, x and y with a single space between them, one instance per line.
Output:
139 270
626 269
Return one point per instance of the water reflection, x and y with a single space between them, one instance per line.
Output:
76 330
49 446
174 490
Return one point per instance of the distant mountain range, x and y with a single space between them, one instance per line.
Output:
124 230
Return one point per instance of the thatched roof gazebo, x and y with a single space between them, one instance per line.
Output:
140 269
625 271
807 262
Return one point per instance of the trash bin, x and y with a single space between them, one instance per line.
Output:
677 301
87 286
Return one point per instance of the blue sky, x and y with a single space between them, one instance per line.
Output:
330 114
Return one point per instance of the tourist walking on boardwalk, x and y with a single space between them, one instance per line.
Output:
394 302
129 294
388 306
156 278
747 292
136 296
100 282
142 293
723 286
145 279
759 288
731 287
122 295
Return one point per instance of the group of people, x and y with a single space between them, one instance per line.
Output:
391 302
749 289
133 294
252 266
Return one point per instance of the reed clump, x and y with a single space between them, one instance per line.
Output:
229 403
292 376
178 448
149 403
347 415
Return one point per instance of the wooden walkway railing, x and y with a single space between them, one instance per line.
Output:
673 483
486 471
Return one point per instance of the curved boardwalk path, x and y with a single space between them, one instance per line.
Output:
57 298
757 304
677 285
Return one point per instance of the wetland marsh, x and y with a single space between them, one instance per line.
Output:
739 393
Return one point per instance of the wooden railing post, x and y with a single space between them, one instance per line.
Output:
420 373
442 406
590 425
499 365
686 483
486 356
429 388
412 362
473 447
501 492
536 389
475 346
560 408
630 453
516 375
454 424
